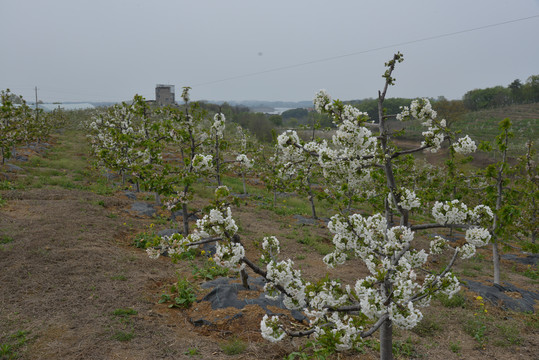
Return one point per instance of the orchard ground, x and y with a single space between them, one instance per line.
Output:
73 286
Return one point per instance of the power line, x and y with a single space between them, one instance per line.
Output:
365 51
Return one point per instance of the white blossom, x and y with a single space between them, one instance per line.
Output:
270 329
437 245
450 212
466 251
477 236
218 125
464 145
202 163
408 200
244 161
321 100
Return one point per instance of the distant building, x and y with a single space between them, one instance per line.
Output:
164 95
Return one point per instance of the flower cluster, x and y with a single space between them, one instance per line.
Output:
181 197
322 101
283 274
270 248
344 161
437 245
466 251
422 110
244 161
456 212
408 200
464 145
450 212
218 125
344 333
419 109
478 236
217 223
230 255
174 244
202 163
270 329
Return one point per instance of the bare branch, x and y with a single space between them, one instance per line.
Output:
434 226
411 151
418 297
298 333
375 327
205 241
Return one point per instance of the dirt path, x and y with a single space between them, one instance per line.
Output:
68 268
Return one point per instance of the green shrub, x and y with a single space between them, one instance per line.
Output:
144 240
182 294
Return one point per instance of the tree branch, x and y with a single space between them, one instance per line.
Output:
434 226
375 327
411 151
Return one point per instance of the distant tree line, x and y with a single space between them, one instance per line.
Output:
261 125
257 123
515 93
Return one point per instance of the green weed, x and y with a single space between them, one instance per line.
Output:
122 316
531 273
458 300
192 352
427 327
182 294
455 347
6 185
120 277
510 334
124 312
4 239
7 352
17 340
209 270
234 347
405 349
477 329
121 335
144 240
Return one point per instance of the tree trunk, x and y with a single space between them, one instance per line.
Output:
244 186
533 230
386 340
217 162
157 199
185 216
496 260
244 278
313 209
311 199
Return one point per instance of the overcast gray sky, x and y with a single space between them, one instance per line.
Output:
109 50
